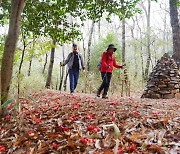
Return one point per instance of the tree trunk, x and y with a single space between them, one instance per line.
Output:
62 71
89 45
175 30
45 63
123 41
17 7
20 65
22 56
141 51
148 13
30 65
31 58
99 29
135 50
48 81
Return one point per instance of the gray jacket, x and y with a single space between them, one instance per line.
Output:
70 58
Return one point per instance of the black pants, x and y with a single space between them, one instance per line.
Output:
106 77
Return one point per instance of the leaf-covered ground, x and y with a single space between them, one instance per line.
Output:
64 123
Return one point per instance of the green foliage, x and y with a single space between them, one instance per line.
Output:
5 12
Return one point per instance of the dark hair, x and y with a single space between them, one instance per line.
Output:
111 46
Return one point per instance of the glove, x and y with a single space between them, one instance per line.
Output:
122 66
61 64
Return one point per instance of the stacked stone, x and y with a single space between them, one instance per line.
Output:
164 81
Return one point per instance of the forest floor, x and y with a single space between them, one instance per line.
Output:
54 122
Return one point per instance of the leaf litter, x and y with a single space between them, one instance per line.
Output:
80 123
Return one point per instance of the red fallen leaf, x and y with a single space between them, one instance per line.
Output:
95 130
62 128
136 112
73 118
75 106
90 116
57 101
155 112
78 99
90 128
37 120
112 113
7 117
56 108
132 147
66 128
2 148
136 106
113 118
114 103
31 133
83 140
91 142
88 100
120 151
55 146
25 115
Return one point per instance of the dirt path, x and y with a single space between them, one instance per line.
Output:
64 123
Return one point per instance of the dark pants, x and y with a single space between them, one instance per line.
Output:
106 77
73 78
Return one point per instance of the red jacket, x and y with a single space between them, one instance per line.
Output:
108 61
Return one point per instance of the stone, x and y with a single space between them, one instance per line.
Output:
168 96
177 96
175 91
155 96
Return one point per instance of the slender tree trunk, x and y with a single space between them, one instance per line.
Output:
48 81
89 45
20 65
148 40
45 63
17 7
22 56
62 73
135 50
141 51
175 30
31 59
99 29
123 41
165 34
84 51
30 65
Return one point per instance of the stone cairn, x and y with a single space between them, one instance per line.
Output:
164 81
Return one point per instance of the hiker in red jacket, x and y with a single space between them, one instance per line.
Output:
108 61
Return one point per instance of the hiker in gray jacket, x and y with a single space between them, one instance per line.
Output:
75 63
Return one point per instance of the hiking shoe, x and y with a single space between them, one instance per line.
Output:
104 97
98 95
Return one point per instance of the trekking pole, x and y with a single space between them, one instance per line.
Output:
61 76
65 80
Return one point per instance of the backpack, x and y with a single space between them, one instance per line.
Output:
100 62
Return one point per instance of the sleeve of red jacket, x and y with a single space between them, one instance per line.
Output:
103 61
115 64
